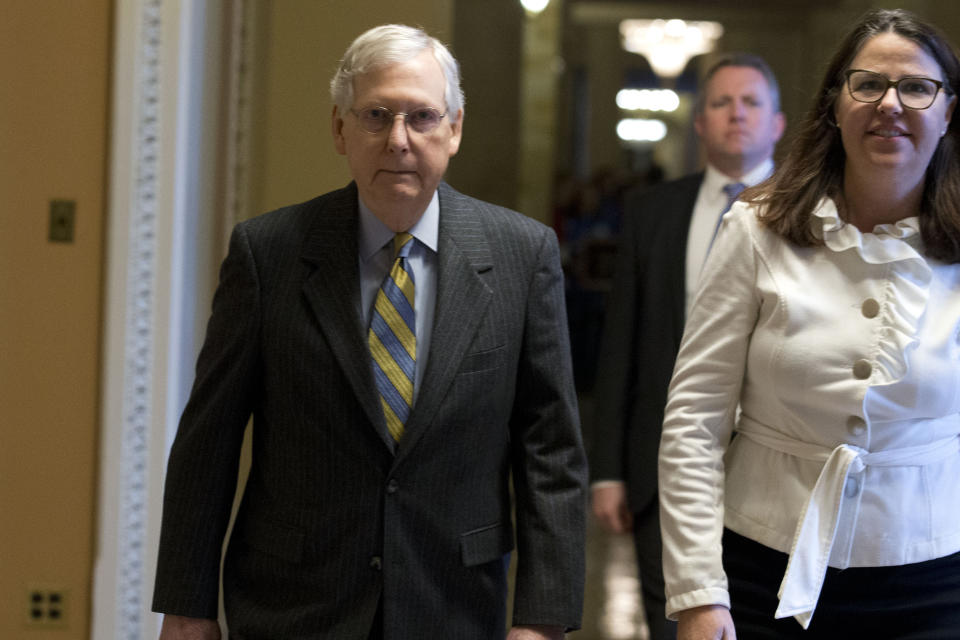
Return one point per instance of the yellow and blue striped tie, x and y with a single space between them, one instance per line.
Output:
393 338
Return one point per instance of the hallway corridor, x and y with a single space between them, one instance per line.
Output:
611 608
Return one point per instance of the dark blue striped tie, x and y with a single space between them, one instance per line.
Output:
732 191
393 338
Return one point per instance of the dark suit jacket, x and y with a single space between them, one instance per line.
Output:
335 516
642 332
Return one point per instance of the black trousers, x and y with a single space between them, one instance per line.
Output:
919 601
376 629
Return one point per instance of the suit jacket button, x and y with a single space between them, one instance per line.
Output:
392 486
376 563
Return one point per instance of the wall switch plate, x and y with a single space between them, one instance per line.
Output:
46 607
62 217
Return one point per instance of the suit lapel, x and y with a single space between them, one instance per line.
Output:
463 296
333 292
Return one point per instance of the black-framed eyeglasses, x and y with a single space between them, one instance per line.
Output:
914 92
377 119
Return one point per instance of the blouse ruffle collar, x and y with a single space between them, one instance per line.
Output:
908 282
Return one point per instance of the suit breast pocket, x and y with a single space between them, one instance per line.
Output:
486 360
486 544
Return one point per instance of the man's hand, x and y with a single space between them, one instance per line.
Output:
182 628
609 504
712 622
535 632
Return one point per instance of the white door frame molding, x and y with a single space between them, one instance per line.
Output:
165 221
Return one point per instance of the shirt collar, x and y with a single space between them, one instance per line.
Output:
374 234
715 180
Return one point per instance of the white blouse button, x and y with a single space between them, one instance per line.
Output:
856 425
851 488
862 369
870 308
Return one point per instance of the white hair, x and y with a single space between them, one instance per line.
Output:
392 44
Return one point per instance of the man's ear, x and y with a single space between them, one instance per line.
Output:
779 123
336 127
456 128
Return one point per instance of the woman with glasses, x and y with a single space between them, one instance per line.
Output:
829 314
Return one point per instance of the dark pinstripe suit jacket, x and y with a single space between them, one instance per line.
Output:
334 515
642 332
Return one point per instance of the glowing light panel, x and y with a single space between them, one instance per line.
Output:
648 100
641 130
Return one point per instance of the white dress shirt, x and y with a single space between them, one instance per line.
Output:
845 361
376 259
711 200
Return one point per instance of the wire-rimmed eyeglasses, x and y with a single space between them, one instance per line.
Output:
914 92
377 119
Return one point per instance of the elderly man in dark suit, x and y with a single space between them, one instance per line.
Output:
403 352
666 235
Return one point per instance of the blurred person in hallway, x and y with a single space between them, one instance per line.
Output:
667 231
829 313
403 351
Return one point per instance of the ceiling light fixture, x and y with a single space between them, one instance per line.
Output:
534 6
669 44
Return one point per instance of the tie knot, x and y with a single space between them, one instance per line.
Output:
402 244
733 190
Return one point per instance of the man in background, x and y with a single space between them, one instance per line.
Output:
666 235
403 351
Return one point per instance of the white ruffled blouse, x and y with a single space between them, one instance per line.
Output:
845 362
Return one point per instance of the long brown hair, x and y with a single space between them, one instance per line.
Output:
814 165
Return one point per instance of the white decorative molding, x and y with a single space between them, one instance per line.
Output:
139 327
239 125
165 163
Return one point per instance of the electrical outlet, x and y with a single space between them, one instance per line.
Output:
63 214
46 607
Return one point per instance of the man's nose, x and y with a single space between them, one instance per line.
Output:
397 140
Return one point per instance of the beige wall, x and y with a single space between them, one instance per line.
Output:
487 41
54 61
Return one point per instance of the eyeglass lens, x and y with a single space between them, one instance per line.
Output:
914 93
376 119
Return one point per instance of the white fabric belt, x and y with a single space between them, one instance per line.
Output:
814 535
